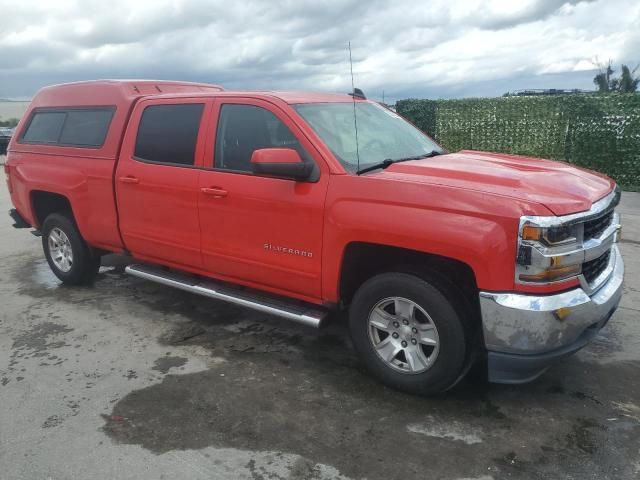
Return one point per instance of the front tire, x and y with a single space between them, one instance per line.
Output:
67 254
408 334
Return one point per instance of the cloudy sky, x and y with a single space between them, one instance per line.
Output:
428 48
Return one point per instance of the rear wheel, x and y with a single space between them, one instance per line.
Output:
68 255
407 333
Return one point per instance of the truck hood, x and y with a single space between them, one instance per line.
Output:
562 188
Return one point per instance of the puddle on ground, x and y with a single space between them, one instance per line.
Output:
42 276
288 388
40 338
166 363
618 341
337 416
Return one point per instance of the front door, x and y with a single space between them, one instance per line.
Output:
260 231
157 181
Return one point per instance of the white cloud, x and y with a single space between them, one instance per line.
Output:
435 48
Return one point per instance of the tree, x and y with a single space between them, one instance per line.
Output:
627 83
603 78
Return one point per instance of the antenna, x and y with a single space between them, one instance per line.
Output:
355 118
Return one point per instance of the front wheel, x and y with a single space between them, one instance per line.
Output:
407 333
67 254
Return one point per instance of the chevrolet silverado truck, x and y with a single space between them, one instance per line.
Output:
300 204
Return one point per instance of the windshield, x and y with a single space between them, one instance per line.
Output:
382 134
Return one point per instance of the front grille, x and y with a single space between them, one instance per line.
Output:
595 267
593 228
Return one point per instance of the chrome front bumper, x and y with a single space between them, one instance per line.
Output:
525 333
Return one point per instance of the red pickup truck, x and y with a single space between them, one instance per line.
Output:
297 204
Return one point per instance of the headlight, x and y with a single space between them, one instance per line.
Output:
551 236
550 252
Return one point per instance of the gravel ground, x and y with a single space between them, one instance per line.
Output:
129 379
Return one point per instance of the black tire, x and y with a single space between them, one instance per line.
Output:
453 347
85 263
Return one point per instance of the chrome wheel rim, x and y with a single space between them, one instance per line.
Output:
60 250
403 335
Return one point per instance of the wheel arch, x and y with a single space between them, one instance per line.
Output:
363 260
44 203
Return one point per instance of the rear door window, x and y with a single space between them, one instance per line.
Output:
77 127
168 133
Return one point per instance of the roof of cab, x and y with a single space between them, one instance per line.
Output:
291 98
311 97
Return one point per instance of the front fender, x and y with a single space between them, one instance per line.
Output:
471 227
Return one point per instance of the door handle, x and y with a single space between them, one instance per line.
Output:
129 179
215 192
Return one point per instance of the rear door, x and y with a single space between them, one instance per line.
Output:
157 181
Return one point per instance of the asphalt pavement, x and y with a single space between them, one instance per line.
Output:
128 379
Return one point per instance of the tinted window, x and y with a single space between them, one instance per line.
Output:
245 128
69 127
86 127
168 133
45 127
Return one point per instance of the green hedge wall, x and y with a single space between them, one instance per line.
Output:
601 132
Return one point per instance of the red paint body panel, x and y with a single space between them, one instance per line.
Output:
280 235
87 183
243 233
159 213
429 218
560 187
275 155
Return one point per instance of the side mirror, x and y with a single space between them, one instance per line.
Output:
281 163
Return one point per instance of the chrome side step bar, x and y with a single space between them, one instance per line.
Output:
300 312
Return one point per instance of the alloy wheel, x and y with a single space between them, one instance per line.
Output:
403 335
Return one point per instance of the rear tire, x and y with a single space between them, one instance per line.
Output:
68 255
408 334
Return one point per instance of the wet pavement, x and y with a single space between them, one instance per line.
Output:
129 379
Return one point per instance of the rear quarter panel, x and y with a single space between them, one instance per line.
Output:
85 181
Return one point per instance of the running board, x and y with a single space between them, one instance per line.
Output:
301 312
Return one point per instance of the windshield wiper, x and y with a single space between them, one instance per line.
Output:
388 161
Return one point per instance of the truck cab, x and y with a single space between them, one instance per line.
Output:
299 204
